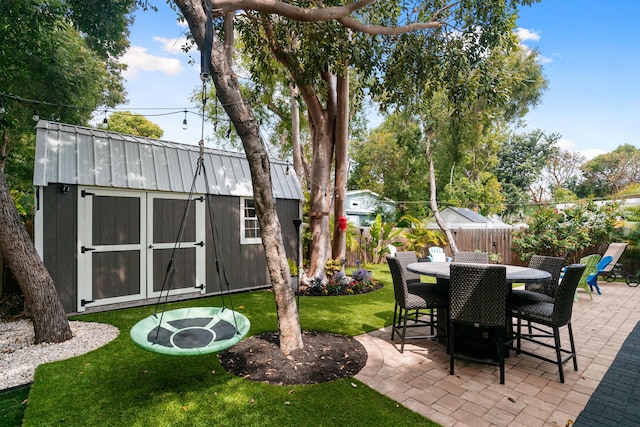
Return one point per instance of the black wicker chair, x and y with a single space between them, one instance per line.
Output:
544 315
471 257
410 303
540 291
405 258
478 298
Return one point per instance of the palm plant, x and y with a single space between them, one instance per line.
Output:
420 238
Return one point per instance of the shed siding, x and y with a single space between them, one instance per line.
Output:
245 264
59 242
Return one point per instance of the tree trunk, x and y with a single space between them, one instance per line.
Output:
299 163
50 322
245 123
322 122
339 247
433 200
319 202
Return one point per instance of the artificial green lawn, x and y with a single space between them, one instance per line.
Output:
12 405
122 385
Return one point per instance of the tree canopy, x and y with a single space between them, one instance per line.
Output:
133 124
609 173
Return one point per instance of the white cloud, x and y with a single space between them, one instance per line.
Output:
588 154
138 59
591 153
173 46
565 144
544 59
524 34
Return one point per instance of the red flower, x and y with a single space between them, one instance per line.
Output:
342 223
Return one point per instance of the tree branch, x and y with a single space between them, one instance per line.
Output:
338 13
387 31
221 7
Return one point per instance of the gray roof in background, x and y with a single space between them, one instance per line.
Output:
69 154
469 214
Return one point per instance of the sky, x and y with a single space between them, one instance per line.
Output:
590 52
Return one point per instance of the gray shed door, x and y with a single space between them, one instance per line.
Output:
126 239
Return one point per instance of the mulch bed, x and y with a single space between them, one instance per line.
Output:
325 357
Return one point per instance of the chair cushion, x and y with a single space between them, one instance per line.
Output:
426 296
540 312
520 297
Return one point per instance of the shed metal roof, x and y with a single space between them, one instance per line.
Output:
69 154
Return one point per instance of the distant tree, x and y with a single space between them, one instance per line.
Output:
520 164
611 172
391 162
562 168
133 124
483 194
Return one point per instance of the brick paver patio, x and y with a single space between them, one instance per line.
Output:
532 394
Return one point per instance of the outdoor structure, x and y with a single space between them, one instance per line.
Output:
473 231
362 206
466 218
109 207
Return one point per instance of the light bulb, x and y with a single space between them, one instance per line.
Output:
35 116
2 109
184 124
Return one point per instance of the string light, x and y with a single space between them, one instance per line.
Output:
36 115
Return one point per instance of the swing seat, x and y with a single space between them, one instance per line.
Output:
190 331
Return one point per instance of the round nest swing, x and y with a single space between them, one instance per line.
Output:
190 331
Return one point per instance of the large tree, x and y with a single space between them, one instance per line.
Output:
391 162
611 172
58 59
474 83
327 110
521 162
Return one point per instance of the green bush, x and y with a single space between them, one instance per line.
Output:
567 233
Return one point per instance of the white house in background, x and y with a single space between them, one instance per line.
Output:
466 218
362 206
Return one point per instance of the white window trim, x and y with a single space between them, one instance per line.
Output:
246 240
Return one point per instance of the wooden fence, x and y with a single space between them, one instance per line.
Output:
490 240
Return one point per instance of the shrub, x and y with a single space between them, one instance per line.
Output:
567 233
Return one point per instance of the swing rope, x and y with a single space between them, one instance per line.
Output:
169 277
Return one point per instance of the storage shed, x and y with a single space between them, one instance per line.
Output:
109 207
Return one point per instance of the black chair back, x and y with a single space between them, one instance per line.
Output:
471 257
400 290
563 299
550 264
478 294
405 258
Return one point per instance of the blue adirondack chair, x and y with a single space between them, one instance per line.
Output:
592 279
433 250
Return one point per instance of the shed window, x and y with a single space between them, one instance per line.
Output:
249 227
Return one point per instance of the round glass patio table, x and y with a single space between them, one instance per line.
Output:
515 273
